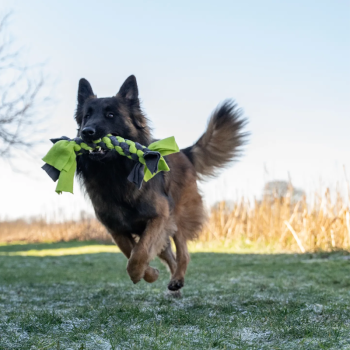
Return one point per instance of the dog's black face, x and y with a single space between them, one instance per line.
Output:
119 115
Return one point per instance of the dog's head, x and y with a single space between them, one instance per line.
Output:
119 115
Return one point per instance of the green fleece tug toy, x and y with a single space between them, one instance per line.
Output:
61 159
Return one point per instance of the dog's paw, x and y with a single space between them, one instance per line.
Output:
136 272
135 279
176 284
151 274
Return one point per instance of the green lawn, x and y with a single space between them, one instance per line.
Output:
78 296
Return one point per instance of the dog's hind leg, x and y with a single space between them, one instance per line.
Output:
182 258
168 257
126 243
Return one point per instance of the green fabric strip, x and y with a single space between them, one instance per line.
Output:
62 156
164 147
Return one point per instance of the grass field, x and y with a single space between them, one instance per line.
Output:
78 296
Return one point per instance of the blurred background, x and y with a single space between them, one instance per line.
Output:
285 63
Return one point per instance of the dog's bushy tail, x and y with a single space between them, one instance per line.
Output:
222 141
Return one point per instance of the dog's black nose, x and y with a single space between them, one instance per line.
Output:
88 131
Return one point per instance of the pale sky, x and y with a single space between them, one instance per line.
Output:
286 63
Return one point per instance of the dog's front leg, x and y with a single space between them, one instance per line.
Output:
126 243
151 243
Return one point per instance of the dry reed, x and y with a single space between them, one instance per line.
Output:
40 230
283 223
278 221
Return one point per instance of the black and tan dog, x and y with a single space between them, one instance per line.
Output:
142 222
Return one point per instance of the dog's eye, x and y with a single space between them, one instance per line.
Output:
110 115
87 116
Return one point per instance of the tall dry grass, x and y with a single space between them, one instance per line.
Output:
40 230
283 224
320 222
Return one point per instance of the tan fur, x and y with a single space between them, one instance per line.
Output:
219 145
221 142
183 223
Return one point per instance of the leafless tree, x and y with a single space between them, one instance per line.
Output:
21 88
280 189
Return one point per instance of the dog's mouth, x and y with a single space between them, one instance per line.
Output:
97 153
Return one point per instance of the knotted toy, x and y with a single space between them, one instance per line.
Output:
61 161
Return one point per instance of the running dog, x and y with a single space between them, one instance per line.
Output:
169 206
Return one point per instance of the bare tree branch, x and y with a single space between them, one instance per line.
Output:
21 92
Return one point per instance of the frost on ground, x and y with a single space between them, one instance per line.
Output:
229 302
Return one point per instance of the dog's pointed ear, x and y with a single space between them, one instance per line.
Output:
84 91
129 89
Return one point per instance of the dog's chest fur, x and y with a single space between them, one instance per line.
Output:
118 204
